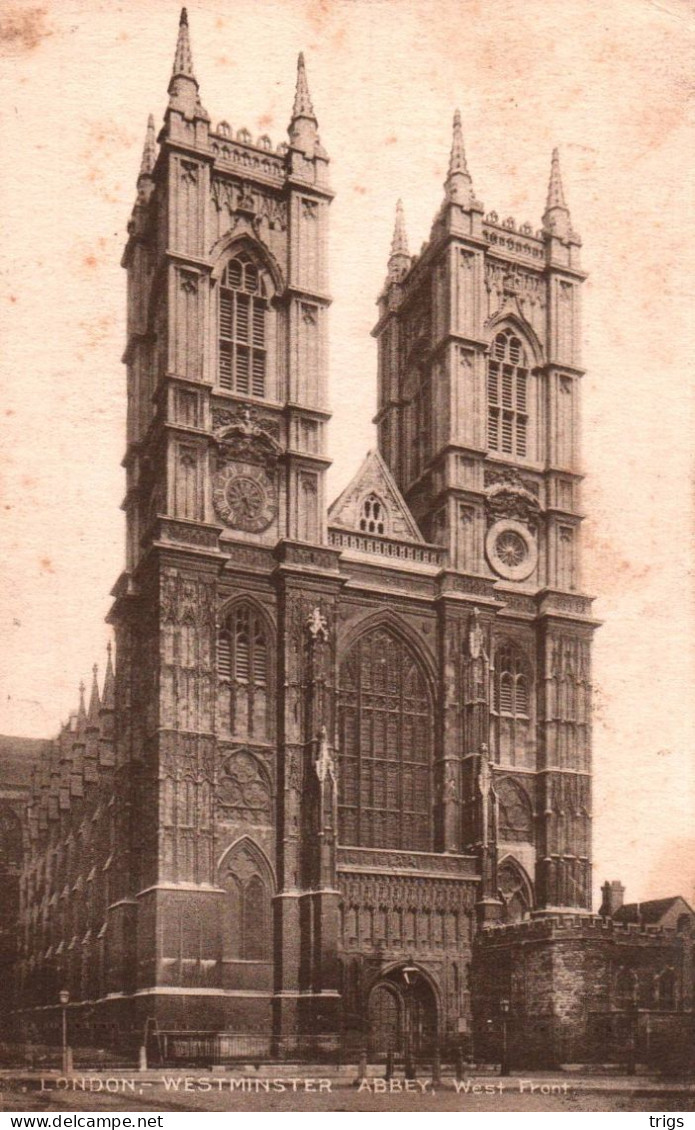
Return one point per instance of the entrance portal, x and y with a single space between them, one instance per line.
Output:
402 1015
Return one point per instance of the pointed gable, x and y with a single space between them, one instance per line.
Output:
373 504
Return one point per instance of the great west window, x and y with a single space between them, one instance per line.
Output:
242 329
386 727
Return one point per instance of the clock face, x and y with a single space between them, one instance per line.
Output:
244 499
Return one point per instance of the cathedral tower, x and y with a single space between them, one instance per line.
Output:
221 710
478 420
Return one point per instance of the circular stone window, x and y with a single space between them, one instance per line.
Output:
511 550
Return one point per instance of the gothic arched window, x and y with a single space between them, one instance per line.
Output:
242 328
508 396
248 918
386 735
243 672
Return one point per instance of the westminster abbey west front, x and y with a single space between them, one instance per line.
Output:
338 746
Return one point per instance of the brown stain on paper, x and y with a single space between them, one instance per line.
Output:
22 30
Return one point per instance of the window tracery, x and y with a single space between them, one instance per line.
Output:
515 891
386 727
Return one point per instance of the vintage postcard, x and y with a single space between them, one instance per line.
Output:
347 608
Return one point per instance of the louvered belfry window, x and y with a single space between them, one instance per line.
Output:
242 669
508 396
512 684
386 732
243 331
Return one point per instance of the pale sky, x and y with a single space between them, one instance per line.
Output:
609 83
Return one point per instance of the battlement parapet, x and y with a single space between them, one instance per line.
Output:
563 927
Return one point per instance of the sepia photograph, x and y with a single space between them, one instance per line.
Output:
347 686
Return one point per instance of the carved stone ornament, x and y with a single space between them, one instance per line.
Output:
507 501
325 765
245 438
224 418
511 550
317 625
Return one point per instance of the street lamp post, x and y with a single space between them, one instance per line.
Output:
504 1009
64 997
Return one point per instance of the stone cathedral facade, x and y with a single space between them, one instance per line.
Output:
337 744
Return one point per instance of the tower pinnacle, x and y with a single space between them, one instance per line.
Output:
458 184
183 58
94 702
556 218
399 258
302 99
109 692
82 713
183 85
149 151
302 127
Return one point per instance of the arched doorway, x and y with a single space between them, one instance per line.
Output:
402 1015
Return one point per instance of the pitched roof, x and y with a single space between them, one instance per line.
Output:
647 913
374 477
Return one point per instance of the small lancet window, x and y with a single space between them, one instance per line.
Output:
373 515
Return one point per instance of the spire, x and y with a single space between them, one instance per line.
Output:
94 703
399 243
302 99
556 218
556 196
109 695
302 127
183 85
458 184
457 159
183 58
149 152
399 259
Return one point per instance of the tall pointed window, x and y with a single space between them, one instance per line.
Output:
242 669
386 729
508 396
242 328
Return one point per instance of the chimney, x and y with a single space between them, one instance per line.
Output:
613 894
